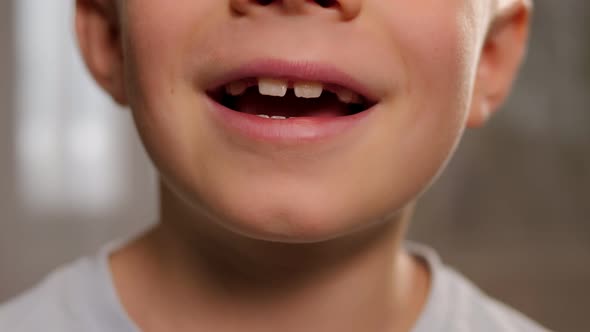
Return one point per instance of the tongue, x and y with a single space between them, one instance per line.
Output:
327 105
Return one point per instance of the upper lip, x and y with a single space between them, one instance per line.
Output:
298 71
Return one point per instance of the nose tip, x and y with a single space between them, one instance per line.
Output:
348 9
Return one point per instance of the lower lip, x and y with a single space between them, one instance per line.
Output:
291 131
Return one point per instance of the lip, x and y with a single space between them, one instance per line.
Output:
295 130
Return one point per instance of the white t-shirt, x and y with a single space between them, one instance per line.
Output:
80 297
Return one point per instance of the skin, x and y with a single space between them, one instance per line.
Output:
310 236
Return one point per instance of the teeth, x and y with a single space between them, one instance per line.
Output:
272 87
348 97
275 117
278 88
236 88
308 90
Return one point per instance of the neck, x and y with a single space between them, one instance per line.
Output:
217 280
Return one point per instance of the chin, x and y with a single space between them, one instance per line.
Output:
309 218
289 222
288 218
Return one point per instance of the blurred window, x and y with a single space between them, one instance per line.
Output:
67 131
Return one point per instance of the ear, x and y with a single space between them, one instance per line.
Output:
98 31
502 54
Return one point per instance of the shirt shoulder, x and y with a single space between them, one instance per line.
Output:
455 304
473 310
77 297
49 306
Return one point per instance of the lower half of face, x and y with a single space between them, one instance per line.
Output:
395 80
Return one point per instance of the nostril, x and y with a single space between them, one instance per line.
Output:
349 9
321 3
326 3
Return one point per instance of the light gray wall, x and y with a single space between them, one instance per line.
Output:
8 218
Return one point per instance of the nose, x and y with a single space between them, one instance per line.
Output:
348 9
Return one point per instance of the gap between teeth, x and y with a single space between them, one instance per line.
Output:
278 88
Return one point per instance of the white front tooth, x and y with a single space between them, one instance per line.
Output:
263 116
278 117
308 89
348 97
272 87
236 88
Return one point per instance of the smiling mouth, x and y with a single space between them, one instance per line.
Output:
283 99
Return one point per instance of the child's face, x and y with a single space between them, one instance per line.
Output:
416 60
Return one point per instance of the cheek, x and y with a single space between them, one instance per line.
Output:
437 50
438 55
155 40
439 85
437 58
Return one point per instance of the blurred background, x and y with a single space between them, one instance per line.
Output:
512 212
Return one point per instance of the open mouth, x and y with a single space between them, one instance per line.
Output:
282 99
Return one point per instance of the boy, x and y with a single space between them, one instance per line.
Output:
292 138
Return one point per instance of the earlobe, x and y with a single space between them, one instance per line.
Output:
480 113
99 42
501 57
